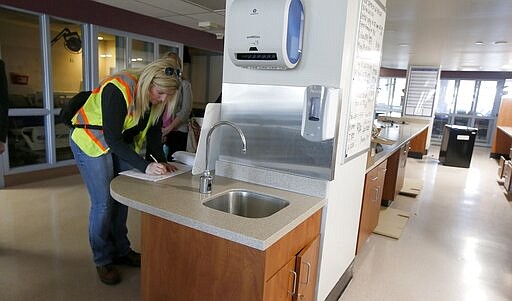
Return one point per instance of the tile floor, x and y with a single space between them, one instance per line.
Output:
457 244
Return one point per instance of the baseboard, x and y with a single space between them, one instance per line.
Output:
341 285
39 175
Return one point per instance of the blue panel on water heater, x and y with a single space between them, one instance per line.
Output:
295 31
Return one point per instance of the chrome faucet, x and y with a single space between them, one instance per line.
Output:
205 185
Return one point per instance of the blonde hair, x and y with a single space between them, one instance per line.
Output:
175 56
153 74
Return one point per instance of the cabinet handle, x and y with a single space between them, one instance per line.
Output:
377 189
307 275
374 178
294 283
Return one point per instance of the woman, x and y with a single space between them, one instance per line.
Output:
175 123
108 134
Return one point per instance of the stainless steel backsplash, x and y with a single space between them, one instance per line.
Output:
271 117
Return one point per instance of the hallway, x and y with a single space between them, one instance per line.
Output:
456 246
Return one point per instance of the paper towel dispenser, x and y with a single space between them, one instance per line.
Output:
265 34
319 113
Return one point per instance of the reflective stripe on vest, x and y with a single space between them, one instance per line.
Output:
92 141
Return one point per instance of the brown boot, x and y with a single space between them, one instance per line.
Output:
108 274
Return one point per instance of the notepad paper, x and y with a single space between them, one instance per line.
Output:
135 173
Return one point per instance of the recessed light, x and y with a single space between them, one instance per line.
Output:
100 38
403 45
479 43
500 42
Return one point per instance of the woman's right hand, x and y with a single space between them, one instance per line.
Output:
156 169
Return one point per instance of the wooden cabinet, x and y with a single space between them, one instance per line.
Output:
395 174
297 279
307 269
418 145
181 263
370 208
283 284
502 142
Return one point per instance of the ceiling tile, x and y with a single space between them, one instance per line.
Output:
210 4
139 7
180 7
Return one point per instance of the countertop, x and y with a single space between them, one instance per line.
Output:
506 129
177 199
400 133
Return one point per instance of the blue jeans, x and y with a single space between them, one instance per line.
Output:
108 234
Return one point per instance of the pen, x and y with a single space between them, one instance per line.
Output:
154 159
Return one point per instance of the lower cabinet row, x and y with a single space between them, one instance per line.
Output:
370 207
180 263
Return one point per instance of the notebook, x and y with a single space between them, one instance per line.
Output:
135 173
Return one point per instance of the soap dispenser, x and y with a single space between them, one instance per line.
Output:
319 113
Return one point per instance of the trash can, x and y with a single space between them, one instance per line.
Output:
457 145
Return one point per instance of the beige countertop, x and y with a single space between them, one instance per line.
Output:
400 134
506 129
178 199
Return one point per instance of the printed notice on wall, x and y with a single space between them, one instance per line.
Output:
365 76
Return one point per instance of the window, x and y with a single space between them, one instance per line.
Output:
111 54
390 96
143 53
21 52
67 79
472 103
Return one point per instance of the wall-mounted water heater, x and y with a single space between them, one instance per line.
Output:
265 34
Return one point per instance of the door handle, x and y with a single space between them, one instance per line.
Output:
294 283
308 273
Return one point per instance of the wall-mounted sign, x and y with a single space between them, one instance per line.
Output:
19 79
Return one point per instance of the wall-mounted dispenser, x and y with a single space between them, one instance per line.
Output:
265 34
319 113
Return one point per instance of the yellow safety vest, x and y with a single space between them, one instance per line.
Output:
92 141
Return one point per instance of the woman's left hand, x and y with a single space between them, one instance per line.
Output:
170 167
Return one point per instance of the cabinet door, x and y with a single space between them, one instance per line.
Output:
307 267
370 206
283 285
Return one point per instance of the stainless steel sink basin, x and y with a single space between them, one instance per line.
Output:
246 203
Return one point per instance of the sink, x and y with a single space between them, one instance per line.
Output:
246 203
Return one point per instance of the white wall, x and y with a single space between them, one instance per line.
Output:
340 222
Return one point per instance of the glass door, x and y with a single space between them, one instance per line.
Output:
472 103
